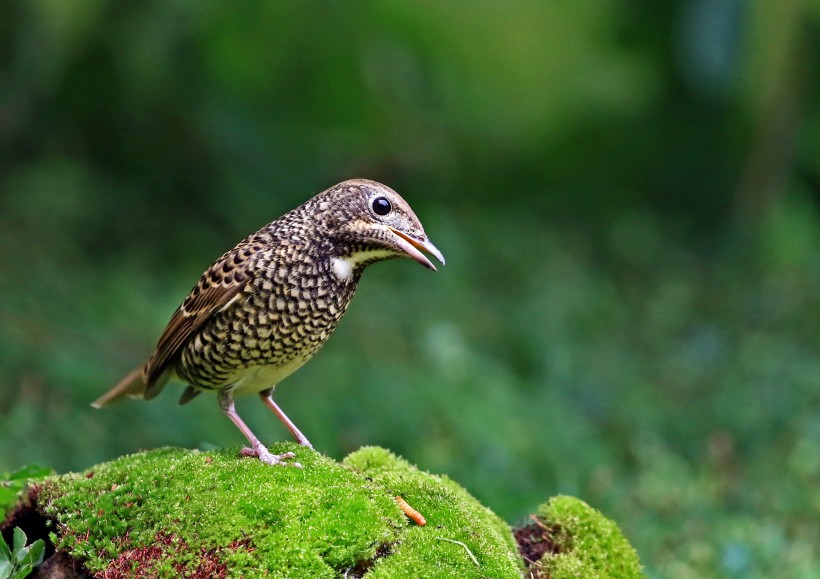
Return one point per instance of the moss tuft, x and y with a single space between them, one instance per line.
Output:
583 543
457 525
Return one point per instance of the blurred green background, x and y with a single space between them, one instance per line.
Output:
627 194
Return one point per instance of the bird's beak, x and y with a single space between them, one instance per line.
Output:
412 245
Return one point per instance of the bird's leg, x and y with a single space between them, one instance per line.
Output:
257 449
267 398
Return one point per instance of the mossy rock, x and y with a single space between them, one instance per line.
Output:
568 539
173 512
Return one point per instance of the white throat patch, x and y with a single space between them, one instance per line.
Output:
343 267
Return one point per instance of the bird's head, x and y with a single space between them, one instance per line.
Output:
372 222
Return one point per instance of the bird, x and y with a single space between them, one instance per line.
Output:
265 307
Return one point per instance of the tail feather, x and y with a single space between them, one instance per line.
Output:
132 386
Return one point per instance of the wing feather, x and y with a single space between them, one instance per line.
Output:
218 289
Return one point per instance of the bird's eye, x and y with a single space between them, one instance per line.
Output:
381 206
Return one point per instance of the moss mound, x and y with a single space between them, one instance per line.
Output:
169 512
568 539
173 512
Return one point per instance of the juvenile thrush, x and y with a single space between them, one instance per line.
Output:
266 306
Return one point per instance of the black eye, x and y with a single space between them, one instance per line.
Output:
381 206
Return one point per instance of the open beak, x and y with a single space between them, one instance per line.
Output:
411 246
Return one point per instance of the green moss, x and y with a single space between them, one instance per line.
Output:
319 520
173 511
585 543
451 514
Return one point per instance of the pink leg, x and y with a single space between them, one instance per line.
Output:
257 449
267 398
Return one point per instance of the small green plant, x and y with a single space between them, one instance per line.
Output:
20 560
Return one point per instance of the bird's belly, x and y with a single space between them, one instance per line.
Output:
257 378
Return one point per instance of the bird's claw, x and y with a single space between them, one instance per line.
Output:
268 457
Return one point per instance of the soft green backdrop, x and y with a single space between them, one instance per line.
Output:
626 193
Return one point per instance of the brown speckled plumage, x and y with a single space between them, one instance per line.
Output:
266 306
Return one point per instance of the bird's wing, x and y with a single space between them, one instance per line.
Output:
218 288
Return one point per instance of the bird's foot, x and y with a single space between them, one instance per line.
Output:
266 456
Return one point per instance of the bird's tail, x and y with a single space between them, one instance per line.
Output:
132 386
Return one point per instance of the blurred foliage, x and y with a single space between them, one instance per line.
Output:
626 193
13 483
